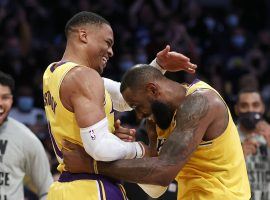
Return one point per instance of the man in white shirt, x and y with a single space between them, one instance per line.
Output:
21 152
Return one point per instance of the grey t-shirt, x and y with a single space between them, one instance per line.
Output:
258 167
21 153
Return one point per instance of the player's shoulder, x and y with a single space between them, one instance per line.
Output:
80 76
83 71
207 99
212 97
198 100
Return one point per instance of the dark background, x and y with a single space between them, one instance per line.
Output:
228 40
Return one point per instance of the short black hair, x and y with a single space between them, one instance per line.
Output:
248 90
83 18
138 76
7 80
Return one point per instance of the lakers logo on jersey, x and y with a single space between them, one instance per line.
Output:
92 134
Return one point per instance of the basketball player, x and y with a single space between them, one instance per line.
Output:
79 109
201 148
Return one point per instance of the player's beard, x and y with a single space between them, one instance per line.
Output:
163 114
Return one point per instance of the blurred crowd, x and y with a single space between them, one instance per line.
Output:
229 40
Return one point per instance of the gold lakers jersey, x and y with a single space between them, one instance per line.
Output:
216 170
62 123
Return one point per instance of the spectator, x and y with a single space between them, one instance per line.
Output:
21 153
31 37
25 111
254 132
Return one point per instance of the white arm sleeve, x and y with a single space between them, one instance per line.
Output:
157 66
113 87
102 145
153 191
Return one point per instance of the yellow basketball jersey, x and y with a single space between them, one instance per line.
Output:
217 169
62 123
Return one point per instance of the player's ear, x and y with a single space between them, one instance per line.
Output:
152 89
83 35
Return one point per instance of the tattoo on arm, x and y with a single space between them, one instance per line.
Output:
181 142
175 152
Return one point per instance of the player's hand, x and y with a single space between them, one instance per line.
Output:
76 159
250 146
173 61
125 134
263 128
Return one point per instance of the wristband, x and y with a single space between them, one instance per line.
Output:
140 151
155 64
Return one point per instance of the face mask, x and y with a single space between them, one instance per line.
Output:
238 40
232 20
25 103
210 23
249 119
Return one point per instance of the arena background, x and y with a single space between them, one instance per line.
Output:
228 40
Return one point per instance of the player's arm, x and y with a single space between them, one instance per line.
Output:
83 90
193 118
152 137
113 87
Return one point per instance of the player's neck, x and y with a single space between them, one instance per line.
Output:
72 55
176 94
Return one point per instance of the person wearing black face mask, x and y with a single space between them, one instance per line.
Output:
254 132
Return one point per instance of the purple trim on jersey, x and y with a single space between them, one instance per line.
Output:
56 149
112 190
194 82
54 66
68 177
100 190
